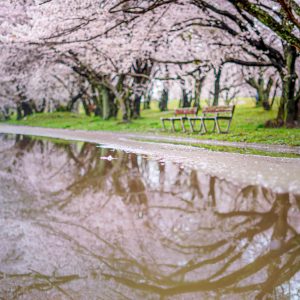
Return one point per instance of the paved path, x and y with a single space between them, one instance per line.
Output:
280 174
262 147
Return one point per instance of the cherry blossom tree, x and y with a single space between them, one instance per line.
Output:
120 62
264 81
116 47
263 34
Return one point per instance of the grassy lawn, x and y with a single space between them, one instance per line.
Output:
247 125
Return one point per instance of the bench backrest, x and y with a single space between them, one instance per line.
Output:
186 111
218 110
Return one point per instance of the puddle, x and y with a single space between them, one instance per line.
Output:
78 221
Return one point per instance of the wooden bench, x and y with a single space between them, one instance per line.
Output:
180 114
213 113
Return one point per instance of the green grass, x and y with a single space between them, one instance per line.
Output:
247 125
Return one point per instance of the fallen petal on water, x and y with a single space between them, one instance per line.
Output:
107 158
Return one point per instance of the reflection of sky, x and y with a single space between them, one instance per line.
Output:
292 287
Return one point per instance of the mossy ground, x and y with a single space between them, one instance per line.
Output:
247 125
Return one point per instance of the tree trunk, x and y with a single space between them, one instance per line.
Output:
70 105
217 88
106 109
137 106
85 107
123 99
19 112
163 104
42 108
289 82
266 104
185 99
96 107
113 104
123 106
198 90
287 111
5 113
27 109
262 92
147 101
130 105
274 93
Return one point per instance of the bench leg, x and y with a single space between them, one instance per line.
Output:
191 125
229 122
163 124
214 128
203 128
182 125
173 126
217 125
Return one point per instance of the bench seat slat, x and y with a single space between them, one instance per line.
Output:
186 111
218 109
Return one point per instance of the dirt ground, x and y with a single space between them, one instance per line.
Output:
279 174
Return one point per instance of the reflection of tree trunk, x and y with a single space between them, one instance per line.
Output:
281 208
212 192
24 142
136 187
278 238
162 177
30 282
195 186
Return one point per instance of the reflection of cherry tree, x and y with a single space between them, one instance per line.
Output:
134 227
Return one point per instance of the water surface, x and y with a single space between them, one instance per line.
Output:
84 222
